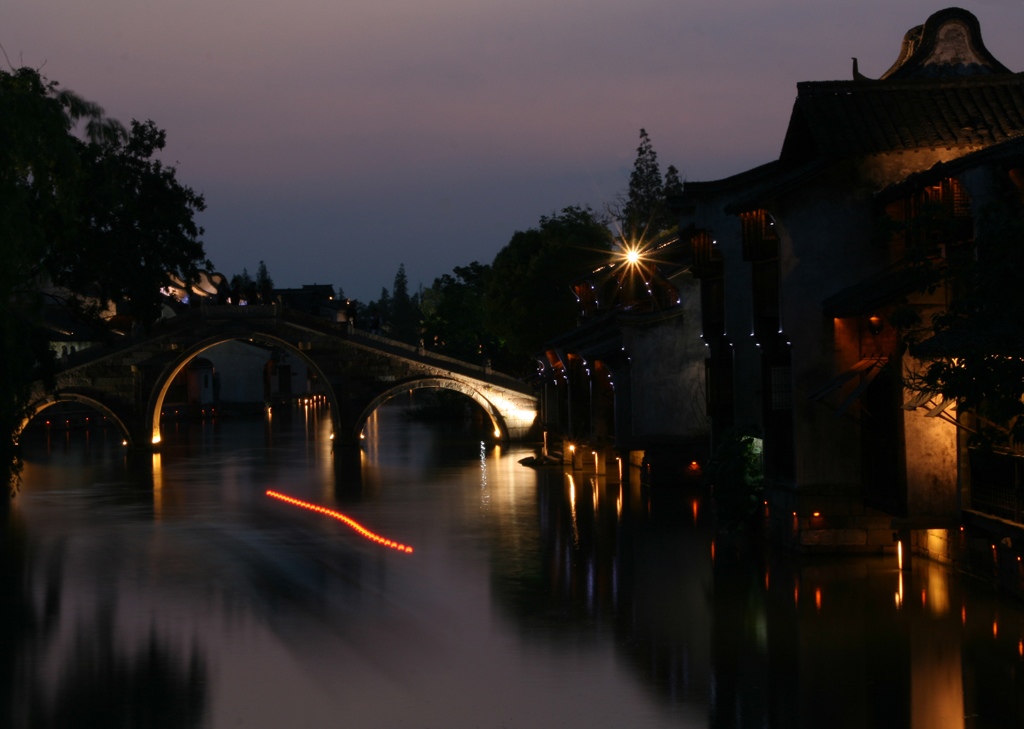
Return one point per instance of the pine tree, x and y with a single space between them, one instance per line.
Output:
264 284
673 184
644 214
404 314
645 194
380 321
243 288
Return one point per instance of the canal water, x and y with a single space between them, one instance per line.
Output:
442 584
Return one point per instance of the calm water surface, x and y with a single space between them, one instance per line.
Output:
171 591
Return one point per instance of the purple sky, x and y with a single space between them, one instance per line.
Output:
336 140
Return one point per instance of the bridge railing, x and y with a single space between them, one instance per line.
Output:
207 313
483 371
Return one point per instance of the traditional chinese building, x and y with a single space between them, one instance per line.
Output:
804 267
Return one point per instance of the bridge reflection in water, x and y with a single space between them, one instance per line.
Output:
532 599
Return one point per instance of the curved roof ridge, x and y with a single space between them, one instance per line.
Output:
949 44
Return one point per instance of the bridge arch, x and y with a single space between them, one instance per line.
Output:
163 382
499 427
71 396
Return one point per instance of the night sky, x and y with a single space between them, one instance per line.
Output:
336 140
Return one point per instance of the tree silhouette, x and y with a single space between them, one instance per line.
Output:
264 284
405 319
133 224
453 316
85 204
644 213
529 299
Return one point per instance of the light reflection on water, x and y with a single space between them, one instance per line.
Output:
170 586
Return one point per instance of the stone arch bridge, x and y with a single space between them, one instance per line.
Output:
359 371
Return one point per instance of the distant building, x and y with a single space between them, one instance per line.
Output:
316 300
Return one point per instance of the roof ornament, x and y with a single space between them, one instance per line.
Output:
948 45
857 75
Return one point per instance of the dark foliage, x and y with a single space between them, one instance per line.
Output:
529 299
735 474
453 317
404 323
973 350
134 224
86 204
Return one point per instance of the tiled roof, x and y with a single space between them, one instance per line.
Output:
1008 153
735 183
849 118
758 195
944 91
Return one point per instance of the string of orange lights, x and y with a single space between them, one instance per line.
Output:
356 526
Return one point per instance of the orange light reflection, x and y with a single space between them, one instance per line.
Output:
359 528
